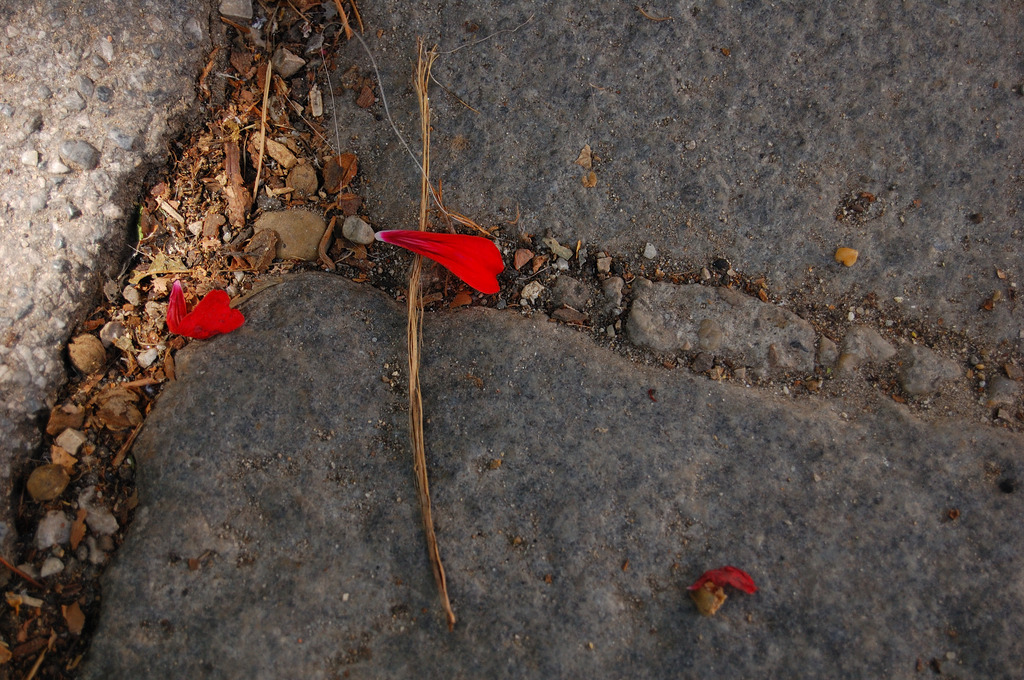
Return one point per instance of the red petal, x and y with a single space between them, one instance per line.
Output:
726 576
175 308
212 316
474 259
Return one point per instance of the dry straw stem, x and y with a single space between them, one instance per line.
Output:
414 334
263 128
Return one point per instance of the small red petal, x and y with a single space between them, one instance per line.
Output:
726 576
175 308
474 259
212 316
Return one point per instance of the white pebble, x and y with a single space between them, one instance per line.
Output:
51 566
147 358
650 252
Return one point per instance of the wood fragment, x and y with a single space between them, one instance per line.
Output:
203 87
414 333
239 199
325 243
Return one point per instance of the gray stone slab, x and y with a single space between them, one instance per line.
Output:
90 94
722 322
576 494
740 130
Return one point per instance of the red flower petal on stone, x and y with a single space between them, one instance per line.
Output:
212 316
726 576
474 259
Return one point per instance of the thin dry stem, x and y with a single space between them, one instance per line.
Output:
344 19
414 334
263 129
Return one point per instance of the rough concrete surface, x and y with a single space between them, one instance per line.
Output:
91 94
572 509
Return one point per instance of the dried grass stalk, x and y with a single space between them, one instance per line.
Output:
414 334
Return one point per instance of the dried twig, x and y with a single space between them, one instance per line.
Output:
122 452
263 129
344 19
325 243
34 583
414 334
651 17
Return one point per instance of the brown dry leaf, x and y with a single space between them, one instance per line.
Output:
538 262
116 408
63 417
261 249
590 180
522 256
5 653
169 364
74 617
586 158
78 528
461 299
349 204
339 171
366 98
59 456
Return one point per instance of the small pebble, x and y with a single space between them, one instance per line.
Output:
356 230
111 331
71 440
604 265
121 139
846 256
55 167
79 155
147 357
96 554
47 482
104 93
54 529
75 101
531 291
51 566
650 252
85 86
87 353
287 64
302 179
101 520
30 158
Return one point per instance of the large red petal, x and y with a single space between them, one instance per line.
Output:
212 316
726 576
474 259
